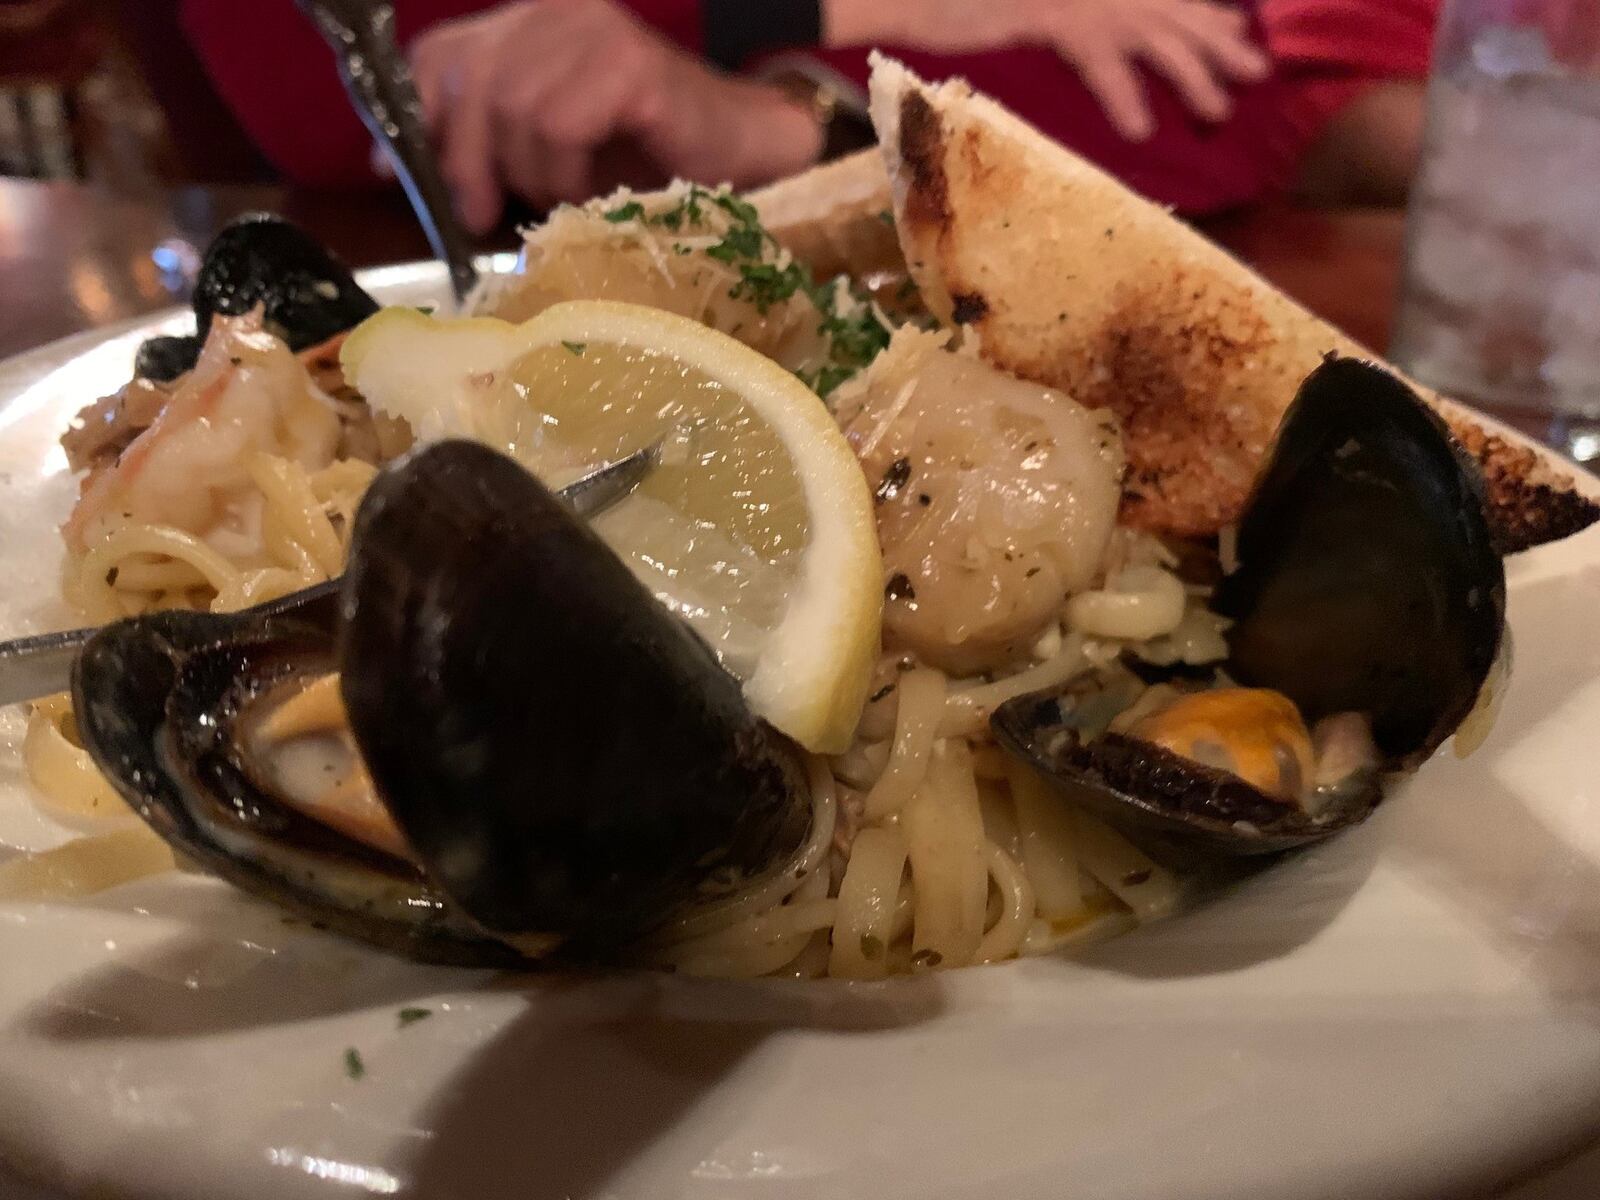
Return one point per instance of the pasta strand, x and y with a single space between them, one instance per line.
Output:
945 843
921 700
1045 825
868 897
1004 937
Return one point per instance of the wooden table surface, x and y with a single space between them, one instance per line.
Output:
72 258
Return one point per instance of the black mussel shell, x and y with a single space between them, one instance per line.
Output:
163 359
1367 582
307 294
563 754
159 702
1146 787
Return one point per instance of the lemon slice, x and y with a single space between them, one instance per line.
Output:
757 527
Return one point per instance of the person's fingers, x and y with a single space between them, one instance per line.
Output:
1222 36
548 42
584 106
454 66
1109 75
467 152
1224 16
575 109
542 154
569 173
523 161
1182 64
536 166
430 55
524 94
689 120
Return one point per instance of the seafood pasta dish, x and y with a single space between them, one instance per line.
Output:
998 554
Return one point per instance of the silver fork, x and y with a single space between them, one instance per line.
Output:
378 79
37 666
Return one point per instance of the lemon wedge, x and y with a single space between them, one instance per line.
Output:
757 528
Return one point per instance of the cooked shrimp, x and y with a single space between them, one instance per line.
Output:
103 430
996 499
189 469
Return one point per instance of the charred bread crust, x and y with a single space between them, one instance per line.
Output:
1529 504
1071 280
927 195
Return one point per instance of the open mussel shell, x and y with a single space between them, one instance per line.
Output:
161 703
165 358
1146 787
562 753
306 294
1367 583
566 762
1367 580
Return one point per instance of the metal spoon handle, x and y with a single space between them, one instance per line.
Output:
375 73
37 666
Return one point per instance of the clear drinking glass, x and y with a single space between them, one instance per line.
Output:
1500 300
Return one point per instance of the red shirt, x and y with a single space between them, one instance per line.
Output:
1333 50
273 70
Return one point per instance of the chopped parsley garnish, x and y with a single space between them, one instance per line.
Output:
353 1066
575 347
631 211
742 241
687 211
887 217
410 1016
765 284
854 337
823 380
740 210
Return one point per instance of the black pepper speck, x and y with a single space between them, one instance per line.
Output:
895 478
899 587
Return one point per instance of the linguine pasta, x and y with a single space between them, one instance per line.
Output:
929 848
956 856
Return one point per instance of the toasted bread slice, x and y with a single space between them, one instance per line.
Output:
1072 280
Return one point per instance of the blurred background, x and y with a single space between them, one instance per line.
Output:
130 130
86 88
135 95
1292 131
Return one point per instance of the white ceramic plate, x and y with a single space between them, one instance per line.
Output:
1412 1010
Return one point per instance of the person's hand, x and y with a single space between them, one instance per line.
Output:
522 98
1199 45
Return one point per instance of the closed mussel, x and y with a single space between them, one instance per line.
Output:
490 742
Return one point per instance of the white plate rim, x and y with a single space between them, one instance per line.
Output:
1022 991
